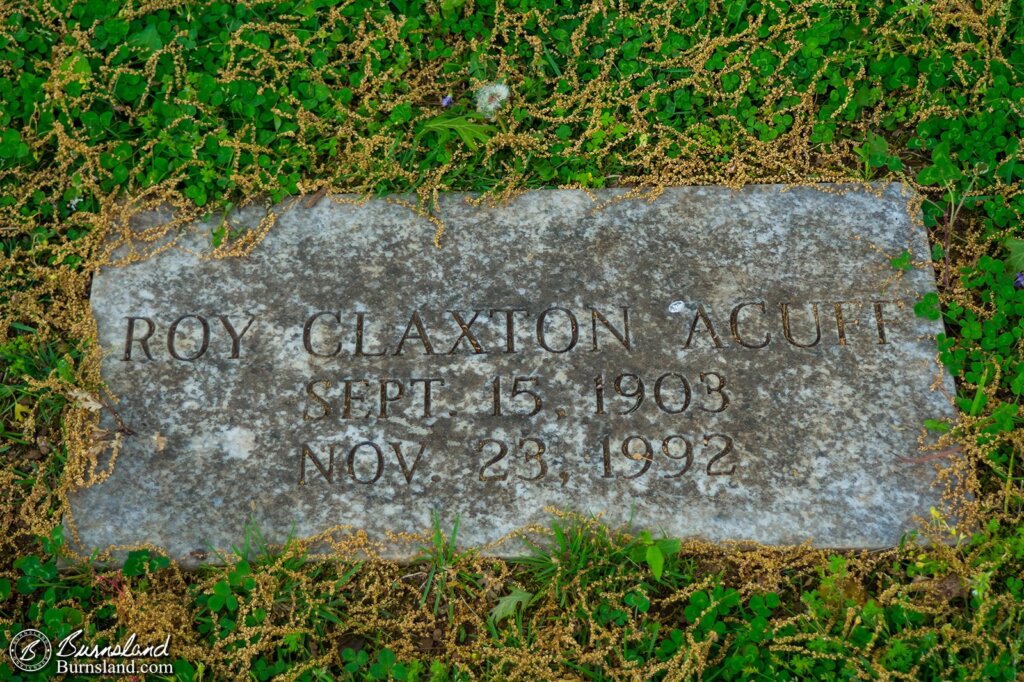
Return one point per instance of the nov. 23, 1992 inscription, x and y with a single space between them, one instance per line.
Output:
717 363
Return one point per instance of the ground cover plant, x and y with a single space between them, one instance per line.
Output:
108 108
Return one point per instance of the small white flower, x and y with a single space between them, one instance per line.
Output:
490 97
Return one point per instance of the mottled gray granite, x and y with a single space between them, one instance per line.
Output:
756 423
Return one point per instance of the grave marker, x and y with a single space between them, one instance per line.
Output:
727 364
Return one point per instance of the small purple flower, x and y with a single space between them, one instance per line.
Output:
447 101
1019 282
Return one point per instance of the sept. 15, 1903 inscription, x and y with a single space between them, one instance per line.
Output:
727 364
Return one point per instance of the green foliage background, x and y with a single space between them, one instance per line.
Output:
109 108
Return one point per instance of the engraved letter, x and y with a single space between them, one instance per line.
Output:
359 339
318 399
574 330
840 321
236 337
702 316
734 325
408 471
144 341
789 335
879 321
327 473
172 333
426 391
385 396
466 334
346 404
307 334
623 336
421 334
352 462
510 330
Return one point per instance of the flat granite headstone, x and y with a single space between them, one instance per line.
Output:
726 364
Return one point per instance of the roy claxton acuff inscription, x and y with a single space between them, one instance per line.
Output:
329 396
733 365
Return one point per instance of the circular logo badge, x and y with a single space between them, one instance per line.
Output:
30 650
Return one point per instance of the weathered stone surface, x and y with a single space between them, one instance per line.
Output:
492 378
